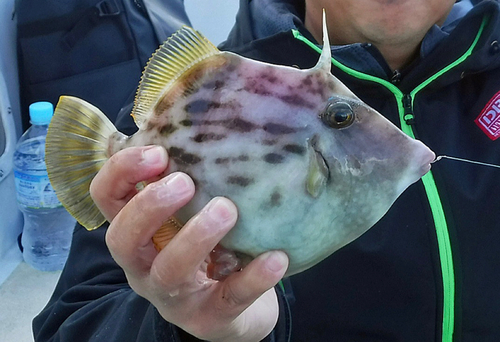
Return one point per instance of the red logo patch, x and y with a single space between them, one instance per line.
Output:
489 119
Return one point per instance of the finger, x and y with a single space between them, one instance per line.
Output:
116 182
130 233
241 289
179 261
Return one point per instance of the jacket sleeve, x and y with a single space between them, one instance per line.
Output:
93 302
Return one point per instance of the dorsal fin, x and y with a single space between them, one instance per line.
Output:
180 52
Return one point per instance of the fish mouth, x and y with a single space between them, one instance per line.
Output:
318 172
326 167
428 159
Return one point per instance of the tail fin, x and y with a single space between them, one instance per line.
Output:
76 149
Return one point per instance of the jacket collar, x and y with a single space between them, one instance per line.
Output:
262 19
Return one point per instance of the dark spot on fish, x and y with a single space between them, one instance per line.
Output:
296 100
273 158
181 157
240 180
150 126
202 137
240 158
269 76
167 129
214 84
272 79
222 161
277 129
186 123
296 149
240 125
258 89
200 106
231 67
269 142
307 81
275 199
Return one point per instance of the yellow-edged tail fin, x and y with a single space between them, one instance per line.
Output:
76 149
181 51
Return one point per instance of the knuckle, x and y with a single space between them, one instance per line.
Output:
230 300
167 279
112 239
140 202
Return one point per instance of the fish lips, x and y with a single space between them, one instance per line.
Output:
427 157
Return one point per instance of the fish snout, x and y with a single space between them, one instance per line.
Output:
423 158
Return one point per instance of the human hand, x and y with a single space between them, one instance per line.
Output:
243 307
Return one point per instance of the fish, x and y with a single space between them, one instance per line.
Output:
309 165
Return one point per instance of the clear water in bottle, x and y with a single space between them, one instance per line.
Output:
48 227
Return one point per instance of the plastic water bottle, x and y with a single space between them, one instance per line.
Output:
48 227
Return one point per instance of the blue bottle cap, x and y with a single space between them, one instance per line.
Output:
41 113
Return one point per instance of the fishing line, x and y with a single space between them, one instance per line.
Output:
466 161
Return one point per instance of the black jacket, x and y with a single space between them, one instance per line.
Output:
423 273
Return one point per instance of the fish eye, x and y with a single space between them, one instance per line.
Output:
338 115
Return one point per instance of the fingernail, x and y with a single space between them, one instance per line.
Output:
153 155
221 210
276 261
176 185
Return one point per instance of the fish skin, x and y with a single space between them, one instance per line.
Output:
248 131
260 135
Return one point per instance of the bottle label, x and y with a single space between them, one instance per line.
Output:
35 191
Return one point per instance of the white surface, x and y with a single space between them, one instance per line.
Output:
23 295
213 18
10 216
8 57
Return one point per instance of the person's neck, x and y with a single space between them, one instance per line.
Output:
396 55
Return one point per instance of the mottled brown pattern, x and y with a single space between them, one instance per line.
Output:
269 142
163 105
275 199
214 84
201 106
278 129
240 158
203 137
296 149
222 161
240 180
167 129
273 158
181 157
239 125
188 83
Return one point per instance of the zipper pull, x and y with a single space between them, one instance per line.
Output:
396 77
408 110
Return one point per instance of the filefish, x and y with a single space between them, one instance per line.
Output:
309 166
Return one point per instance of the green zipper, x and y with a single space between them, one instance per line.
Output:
405 108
